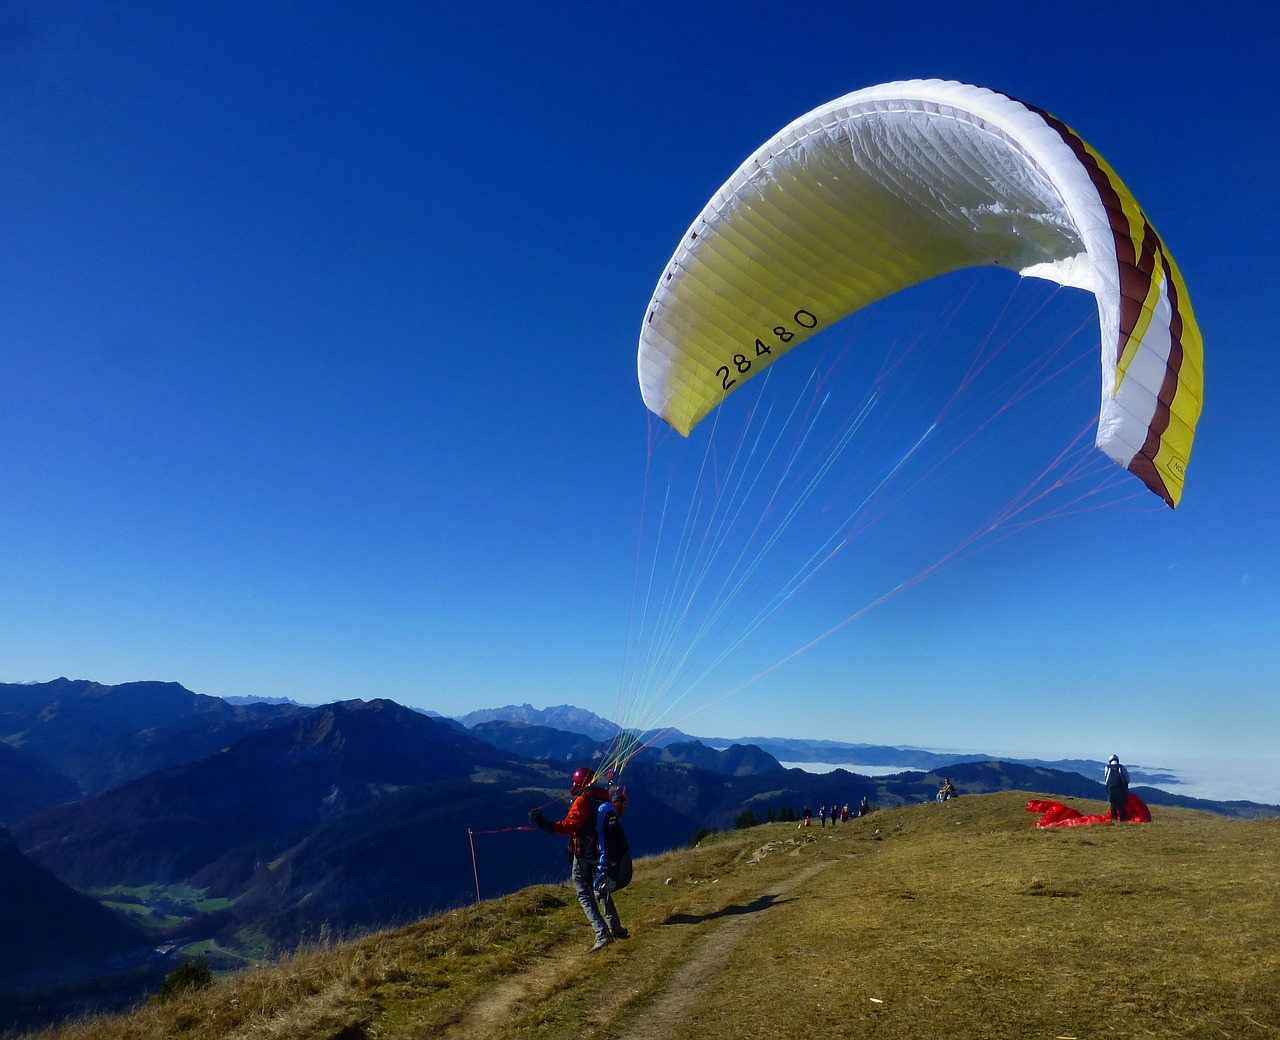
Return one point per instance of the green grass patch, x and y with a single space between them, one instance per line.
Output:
159 907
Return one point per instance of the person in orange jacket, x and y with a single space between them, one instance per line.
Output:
579 825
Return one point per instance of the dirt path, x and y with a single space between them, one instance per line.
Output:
487 1015
661 1013
658 1019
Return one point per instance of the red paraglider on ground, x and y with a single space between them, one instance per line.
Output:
1055 814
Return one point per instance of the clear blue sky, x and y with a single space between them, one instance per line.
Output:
317 359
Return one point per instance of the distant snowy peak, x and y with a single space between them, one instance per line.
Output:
253 698
561 716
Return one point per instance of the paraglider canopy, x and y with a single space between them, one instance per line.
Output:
1055 814
899 183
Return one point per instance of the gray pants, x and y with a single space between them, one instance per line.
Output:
584 872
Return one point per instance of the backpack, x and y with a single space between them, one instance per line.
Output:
1116 778
614 869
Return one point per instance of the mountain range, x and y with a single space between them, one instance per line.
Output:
240 830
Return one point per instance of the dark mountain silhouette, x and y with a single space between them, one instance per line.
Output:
224 814
356 815
546 744
834 752
28 783
737 760
543 743
782 749
102 736
62 953
46 925
994 775
410 854
564 718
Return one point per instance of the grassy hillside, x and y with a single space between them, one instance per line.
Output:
938 920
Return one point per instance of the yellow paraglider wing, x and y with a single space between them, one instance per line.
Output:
896 184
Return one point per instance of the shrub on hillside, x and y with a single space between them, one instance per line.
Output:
192 974
698 835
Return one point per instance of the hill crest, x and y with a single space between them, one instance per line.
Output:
995 931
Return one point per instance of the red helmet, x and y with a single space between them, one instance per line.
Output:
582 780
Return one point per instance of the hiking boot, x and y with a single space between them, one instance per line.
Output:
621 933
600 944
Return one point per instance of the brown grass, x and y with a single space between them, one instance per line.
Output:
955 920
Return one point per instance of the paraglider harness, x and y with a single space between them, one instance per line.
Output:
598 840
613 867
1117 781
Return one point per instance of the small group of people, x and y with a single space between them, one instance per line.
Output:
836 812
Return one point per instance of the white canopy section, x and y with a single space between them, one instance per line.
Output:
896 184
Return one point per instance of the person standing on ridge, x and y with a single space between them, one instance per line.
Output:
579 825
1116 779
